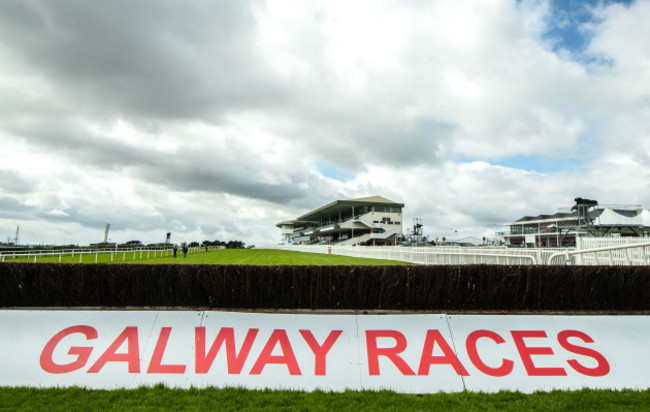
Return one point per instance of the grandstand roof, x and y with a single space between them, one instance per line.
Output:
343 205
604 216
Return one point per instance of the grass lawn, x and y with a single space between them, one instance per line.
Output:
216 257
159 398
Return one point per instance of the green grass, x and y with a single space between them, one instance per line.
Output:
230 399
216 257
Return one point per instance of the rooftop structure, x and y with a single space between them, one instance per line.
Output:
585 218
372 220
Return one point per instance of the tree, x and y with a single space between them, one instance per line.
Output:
235 244
132 243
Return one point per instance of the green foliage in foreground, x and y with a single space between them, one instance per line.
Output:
215 257
159 398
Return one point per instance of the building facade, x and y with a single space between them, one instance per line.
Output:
561 229
372 220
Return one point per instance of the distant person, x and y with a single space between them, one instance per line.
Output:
184 249
206 247
175 250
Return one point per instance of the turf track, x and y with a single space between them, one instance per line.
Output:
215 257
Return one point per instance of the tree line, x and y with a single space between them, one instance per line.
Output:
231 244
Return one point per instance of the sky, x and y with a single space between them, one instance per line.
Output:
216 120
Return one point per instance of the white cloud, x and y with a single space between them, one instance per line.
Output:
218 120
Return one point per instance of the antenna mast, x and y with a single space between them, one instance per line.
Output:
17 239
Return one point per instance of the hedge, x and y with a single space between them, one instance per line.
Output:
417 288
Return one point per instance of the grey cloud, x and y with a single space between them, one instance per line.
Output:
153 58
390 142
183 171
166 60
14 182
180 176
12 208
410 145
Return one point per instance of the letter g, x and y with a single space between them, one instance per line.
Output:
82 352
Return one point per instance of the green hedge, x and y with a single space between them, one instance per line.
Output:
431 288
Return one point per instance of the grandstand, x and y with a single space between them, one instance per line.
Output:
372 220
586 219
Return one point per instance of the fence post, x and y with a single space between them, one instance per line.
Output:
611 257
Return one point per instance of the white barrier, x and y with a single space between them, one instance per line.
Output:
621 254
434 255
410 353
616 253
91 255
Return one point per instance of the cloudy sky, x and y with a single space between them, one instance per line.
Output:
219 119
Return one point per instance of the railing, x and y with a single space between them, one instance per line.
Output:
533 231
626 254
440 256
614 251
117 254
434 255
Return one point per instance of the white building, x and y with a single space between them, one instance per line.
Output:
562 228
371 220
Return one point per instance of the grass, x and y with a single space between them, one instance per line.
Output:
229 399
216 257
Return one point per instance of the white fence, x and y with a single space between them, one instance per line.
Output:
92 255
434 255
590 251
622 254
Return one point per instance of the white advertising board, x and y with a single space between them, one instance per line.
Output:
410 353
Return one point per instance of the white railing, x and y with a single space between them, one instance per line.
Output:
619 255
610 251
597 242
116 254
433 255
